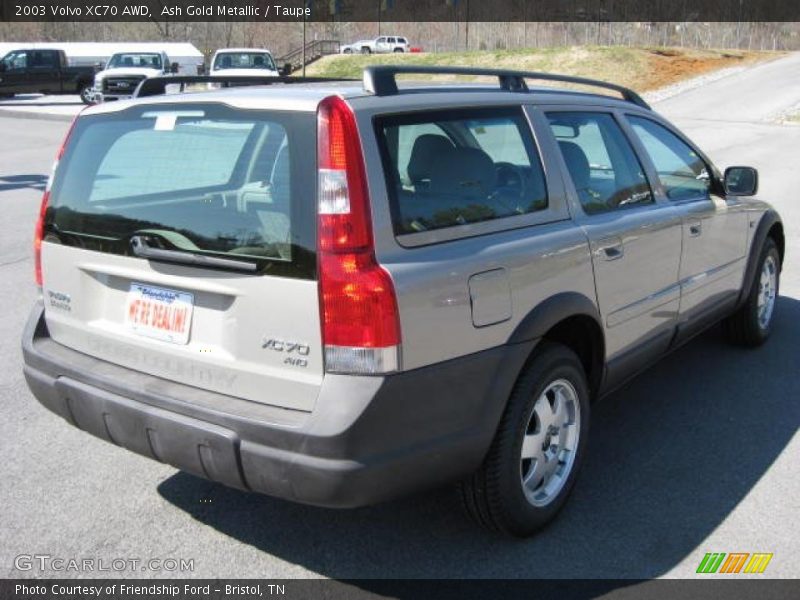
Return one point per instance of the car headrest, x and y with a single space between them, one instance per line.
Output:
426 148
577 163
466 172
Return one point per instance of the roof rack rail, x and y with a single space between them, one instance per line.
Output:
157 86
380 80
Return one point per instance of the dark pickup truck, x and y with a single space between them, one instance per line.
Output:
35 71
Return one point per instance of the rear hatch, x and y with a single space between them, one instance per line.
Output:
179 240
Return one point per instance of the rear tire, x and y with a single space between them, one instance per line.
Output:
396 50
542 434
751 324
365 50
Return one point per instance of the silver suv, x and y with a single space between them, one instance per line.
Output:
338 293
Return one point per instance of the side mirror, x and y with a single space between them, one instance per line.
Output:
174 68
741 181
201 69
285 70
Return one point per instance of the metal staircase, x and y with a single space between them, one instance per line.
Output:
307 54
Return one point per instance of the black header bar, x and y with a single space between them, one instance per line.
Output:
374 589
401 10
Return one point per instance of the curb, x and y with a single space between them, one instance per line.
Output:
25 114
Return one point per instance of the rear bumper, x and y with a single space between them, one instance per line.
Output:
369 439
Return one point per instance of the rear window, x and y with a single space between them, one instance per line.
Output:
146 60
202 179
244 60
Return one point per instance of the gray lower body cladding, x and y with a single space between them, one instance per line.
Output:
369 439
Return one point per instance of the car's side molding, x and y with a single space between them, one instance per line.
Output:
552 311
768 219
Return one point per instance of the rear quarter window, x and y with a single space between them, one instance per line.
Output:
460 167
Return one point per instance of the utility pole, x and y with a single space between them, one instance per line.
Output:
466 30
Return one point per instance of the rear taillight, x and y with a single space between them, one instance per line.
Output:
360 324
38 233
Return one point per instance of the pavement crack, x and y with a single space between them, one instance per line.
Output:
14 262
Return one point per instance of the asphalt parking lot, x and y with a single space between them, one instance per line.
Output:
700 454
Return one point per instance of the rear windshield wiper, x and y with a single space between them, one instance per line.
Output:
143 249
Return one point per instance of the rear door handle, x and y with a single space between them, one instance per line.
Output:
695 228
612 249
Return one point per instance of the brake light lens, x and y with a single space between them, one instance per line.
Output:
38 232
360 323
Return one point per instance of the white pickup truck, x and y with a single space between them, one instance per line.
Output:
126 70
244 62
384 44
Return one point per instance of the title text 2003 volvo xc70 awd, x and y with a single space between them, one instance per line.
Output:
338 293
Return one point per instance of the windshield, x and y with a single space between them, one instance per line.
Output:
146 60
244 60
202 179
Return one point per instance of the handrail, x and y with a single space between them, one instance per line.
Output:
313 50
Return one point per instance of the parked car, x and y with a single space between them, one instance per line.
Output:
339 294
245 62
28 71
94 54
126 70
380 45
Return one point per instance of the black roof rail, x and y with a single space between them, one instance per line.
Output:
157 86
380 79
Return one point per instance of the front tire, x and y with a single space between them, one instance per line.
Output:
534 459
85 92
752 323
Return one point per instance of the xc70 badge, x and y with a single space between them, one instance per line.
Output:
295 350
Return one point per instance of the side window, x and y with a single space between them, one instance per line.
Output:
452 168
601 162
16 60
43 58
51 59
682 172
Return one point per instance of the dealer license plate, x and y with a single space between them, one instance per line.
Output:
159 313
